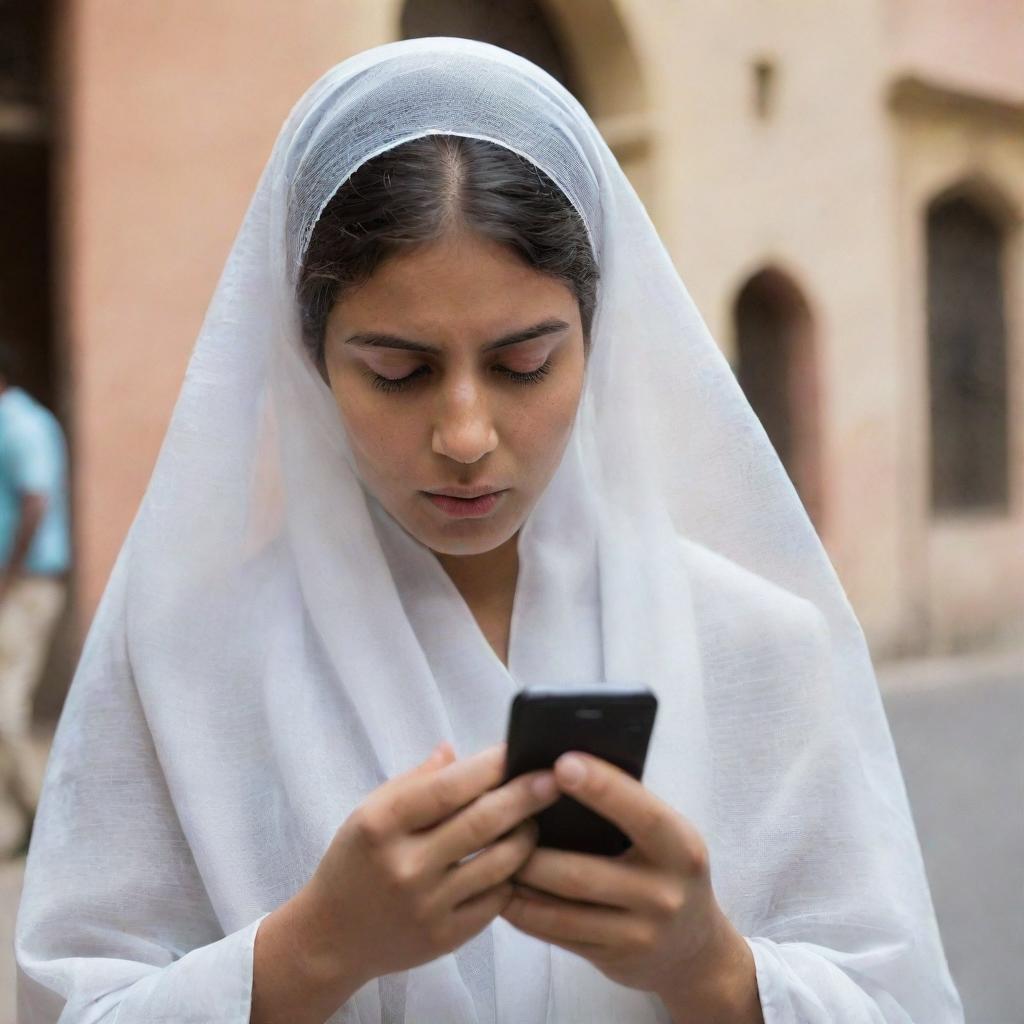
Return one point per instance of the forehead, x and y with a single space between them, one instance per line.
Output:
463 286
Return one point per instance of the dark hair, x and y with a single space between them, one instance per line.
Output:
419 191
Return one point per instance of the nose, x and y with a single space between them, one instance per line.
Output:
464 429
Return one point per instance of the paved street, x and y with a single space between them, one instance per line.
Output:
959 734
958 725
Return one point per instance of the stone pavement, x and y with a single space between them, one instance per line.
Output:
11 872
958 726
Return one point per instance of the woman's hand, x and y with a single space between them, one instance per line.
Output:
394 889
648 918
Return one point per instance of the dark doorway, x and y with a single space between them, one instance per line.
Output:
25 308
25 235
777 369
27 285
517 25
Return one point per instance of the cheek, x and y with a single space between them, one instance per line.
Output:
544 427
565 400
381 443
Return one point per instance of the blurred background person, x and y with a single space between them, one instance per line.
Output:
34 560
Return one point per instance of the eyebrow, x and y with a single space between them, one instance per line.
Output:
371 339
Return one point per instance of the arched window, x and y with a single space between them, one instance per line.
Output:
776 367
966 358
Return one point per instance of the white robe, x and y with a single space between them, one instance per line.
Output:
137 830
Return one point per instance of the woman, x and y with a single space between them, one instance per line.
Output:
445 285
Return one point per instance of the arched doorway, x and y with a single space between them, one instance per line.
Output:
777 369
521 26
967 357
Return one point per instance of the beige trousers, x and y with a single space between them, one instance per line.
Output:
28 615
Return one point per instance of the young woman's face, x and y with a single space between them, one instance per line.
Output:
431 404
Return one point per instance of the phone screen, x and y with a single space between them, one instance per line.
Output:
613 723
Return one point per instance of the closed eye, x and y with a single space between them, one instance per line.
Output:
403 383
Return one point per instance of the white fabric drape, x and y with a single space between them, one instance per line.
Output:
272 645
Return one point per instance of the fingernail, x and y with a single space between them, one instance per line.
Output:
544 786
572 771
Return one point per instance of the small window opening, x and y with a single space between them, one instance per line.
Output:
765 79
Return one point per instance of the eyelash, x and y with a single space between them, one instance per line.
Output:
388 384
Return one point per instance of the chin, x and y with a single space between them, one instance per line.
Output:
464 537
483 541
460 550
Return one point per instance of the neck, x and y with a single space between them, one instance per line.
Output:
487 579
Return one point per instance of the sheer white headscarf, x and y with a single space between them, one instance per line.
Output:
272 645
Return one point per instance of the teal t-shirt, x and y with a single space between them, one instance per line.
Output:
33 457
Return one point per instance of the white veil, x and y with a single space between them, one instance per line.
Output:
272 645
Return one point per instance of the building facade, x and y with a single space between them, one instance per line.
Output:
841 187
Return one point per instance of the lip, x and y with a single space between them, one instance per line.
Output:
465 508
454 491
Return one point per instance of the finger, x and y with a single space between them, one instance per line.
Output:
607 881
489 867
441 755
657 830
475 914
557 920
424 798
491 815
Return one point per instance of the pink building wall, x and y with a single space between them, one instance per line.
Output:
159 168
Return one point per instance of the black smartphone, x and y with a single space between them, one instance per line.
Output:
613 723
